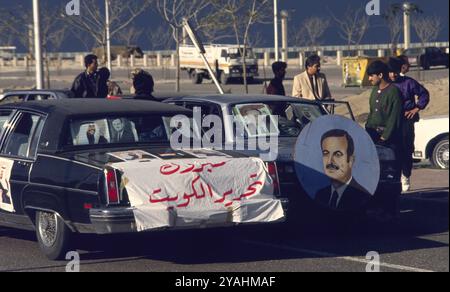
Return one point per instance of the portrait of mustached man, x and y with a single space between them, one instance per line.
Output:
344 193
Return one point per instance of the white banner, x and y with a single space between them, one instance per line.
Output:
212 190
6 202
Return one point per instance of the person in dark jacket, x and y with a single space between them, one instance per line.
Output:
276 86
415 99
143 85
87 84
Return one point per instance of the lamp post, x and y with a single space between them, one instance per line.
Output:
407 24
275 23
38 46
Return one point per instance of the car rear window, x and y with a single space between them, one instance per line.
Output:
118 130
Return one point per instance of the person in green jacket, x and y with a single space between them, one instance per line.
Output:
384 121
384 127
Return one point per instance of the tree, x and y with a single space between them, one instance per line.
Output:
129 36
92 20
160 38
393 18
394 23
16 22
353 25
173 13
312 30
242 15
427 28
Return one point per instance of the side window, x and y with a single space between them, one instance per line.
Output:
23 140
5 116
38 97
13 99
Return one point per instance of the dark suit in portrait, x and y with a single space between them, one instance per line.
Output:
354 197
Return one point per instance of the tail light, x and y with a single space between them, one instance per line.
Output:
112 187
273 172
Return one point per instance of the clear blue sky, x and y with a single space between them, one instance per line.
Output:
300 9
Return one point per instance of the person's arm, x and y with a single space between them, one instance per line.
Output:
297 89
423 99
77 87
326 89
394 113
271 90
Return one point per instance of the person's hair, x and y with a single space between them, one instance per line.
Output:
89 59
395 65
377 68
277 66
340 134
104 73
143 82
404 58
311 61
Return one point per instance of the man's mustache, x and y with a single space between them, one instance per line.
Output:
332 167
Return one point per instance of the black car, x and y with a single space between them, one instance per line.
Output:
33 95
427 58
57 173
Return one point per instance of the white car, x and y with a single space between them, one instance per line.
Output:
432 141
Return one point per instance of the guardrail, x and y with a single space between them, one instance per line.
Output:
160 58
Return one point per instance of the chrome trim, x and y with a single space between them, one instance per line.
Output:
58 188
68 223
69 160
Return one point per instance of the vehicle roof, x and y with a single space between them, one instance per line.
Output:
227 99
60 111
36 91
97 106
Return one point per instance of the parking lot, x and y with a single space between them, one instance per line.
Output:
418 243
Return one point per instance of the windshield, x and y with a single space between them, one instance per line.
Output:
118 130
237 53
290 119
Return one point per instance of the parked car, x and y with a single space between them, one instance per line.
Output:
225 106
33 95
432 141
428 57
58 173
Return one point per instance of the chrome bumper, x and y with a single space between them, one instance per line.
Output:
121 220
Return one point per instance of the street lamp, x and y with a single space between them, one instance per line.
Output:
407 23
275 23
38 47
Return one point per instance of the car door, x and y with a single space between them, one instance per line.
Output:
17 155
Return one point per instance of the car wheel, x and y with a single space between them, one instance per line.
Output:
196 78
439 158
53 235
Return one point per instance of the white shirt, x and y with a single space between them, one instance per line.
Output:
340 191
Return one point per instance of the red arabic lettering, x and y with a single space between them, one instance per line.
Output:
161 200
169 169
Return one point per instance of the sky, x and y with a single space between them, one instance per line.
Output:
299 10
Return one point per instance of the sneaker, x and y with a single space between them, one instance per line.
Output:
406 184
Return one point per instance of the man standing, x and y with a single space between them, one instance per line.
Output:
143 85
87 84
311 84
406 65
276 86
409 89
344 192
384 127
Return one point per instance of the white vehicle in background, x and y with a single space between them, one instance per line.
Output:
432 141
226 60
